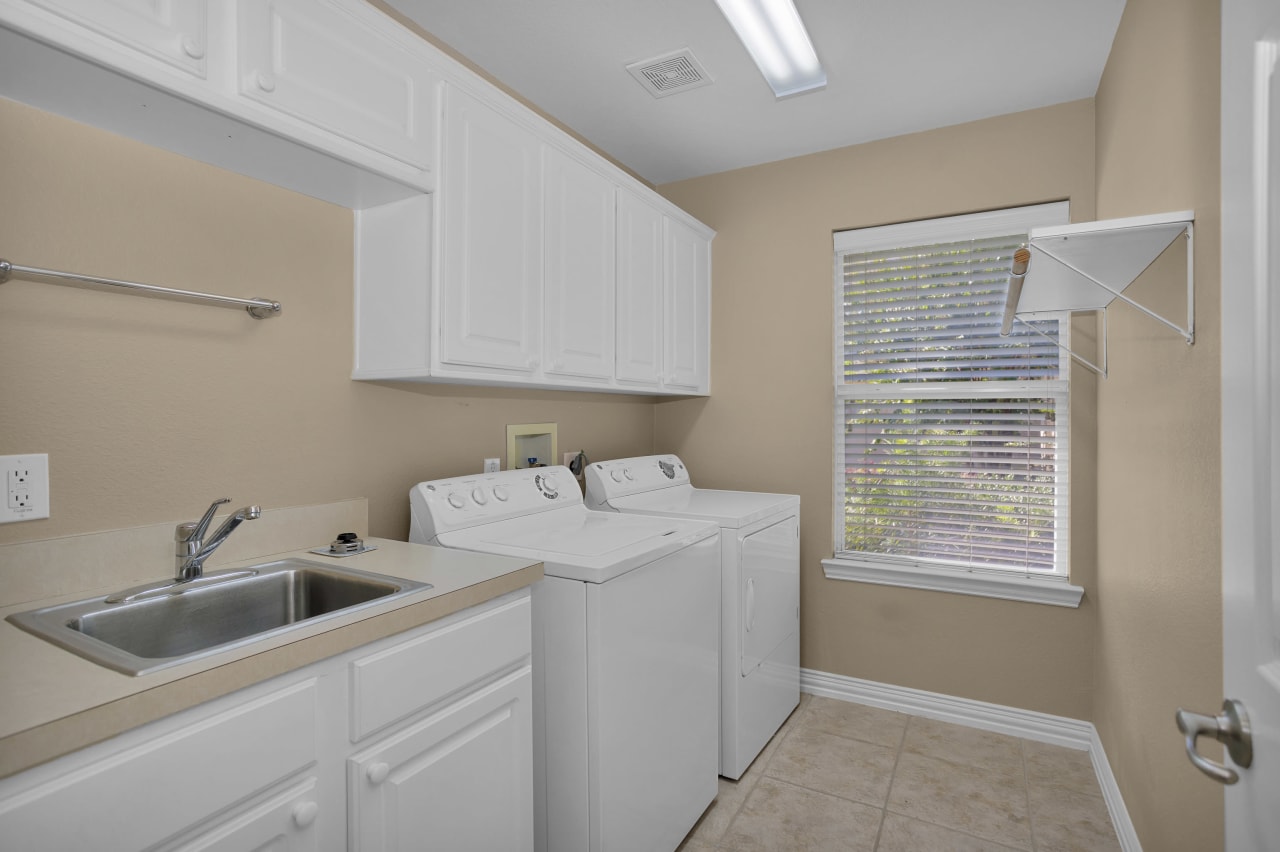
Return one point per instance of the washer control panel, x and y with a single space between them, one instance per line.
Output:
442 505
620 477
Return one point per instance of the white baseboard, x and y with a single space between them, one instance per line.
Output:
1012 721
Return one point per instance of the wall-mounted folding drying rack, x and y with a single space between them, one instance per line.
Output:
1088 266
256 308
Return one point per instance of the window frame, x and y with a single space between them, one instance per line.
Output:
1008 583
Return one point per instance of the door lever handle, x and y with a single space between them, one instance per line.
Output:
1230 727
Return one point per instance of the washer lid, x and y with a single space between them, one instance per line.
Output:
578 544
729 509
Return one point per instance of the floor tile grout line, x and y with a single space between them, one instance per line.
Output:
953 829
1026 789
893 775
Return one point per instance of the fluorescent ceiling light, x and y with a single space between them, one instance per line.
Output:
774 35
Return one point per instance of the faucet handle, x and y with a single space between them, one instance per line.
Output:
195 531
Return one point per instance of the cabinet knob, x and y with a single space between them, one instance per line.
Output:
192 48
378 772
264 81
304 813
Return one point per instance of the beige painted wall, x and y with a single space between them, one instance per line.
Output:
149 409
771 404
1159 577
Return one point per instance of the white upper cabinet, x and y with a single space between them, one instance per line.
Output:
664 300
491 248
687 297
173 31
539 264
330 98
578 269
639 300
490 240
317 61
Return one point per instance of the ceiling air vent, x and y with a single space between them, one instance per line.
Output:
670 73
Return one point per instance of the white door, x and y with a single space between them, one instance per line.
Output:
1251 408
172 31
770 580
578 268
687 285
490 239
323 65
639 321
458 779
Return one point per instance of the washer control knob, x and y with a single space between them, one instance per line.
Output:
550 486
456 500
479 496
500 493
616 474
626 471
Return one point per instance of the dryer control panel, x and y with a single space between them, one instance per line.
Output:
443 505
621 477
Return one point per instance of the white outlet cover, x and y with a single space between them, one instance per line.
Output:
33 471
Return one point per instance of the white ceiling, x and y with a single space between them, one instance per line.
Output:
893 67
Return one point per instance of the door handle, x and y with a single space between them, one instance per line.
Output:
1230 727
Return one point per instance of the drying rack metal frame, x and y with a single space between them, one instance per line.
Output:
1085 267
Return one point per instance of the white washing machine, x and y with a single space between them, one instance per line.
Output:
760 589
625 653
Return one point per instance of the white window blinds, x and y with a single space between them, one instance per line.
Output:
952 439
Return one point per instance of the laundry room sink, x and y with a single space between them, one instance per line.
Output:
143 630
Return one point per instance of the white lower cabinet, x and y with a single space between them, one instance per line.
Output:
458 778
285 765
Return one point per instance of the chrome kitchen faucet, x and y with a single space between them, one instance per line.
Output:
191 550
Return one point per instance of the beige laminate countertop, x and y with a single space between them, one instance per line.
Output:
53 702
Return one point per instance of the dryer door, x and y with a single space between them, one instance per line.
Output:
770 590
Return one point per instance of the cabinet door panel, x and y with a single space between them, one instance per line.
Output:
490 239
173 31
318 62
579 268
639 312
462 779
688 305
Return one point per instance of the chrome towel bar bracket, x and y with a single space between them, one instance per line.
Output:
256 308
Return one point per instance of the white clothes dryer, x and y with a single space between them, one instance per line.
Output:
760 589
625 653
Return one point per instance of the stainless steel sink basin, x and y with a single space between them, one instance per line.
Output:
141 631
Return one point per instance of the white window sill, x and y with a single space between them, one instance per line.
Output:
1043 590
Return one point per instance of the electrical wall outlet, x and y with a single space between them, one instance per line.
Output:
492 465
25 480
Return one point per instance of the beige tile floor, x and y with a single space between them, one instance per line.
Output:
842 776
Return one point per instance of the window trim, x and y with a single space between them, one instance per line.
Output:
1035 587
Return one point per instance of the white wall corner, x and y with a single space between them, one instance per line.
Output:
1011 721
